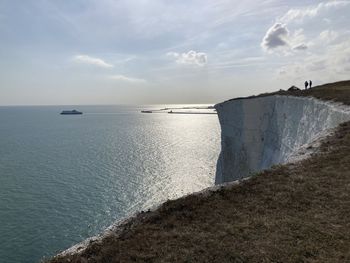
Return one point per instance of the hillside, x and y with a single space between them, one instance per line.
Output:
290 213
336 91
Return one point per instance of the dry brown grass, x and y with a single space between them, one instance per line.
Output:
290 213
337 91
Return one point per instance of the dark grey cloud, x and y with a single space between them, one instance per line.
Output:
301 46
275 37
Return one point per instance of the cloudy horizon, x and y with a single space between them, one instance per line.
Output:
156 51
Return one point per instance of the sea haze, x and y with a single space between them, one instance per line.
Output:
65 178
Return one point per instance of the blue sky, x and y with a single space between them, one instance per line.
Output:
162 51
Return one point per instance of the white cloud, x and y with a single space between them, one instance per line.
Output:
298 37
328 36
330 64
275 37
127 79
286 39
279 38
339 58
297 15
191 58
92 61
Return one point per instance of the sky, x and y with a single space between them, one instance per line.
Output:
63 52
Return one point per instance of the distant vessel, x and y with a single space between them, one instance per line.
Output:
71 112
146 111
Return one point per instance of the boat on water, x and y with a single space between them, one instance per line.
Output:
146 111
71 112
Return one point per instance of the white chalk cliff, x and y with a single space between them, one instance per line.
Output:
259 132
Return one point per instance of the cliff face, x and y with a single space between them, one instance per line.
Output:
259 132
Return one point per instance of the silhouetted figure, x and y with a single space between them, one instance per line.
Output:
306 84
310 84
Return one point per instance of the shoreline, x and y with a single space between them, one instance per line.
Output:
124 227
221 193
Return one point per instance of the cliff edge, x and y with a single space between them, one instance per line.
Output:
259 132
296 212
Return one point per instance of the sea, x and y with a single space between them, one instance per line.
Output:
64 178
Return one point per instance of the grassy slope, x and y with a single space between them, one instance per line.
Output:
290 213
337 91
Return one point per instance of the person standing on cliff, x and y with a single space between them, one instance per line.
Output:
306 84
310 84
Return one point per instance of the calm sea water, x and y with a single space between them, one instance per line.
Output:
65 178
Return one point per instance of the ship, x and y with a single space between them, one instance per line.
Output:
71 112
